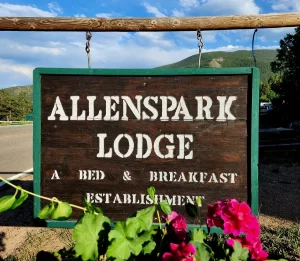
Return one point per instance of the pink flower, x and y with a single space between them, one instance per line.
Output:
255 248
172 216
180 252
237 217
177 226
233 217
257 253
214 215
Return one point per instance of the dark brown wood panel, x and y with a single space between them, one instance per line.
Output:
216 151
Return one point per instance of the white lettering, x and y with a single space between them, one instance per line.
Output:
58 109
225 108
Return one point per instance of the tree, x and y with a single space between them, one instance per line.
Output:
14 106
7 104
267 89
287 64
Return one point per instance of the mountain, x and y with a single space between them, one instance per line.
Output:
231 59
210 59
17 90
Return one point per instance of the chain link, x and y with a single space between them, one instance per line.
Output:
200 45
88 37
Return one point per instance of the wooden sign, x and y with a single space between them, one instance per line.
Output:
108 135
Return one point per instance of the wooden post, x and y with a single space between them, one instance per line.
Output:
149 24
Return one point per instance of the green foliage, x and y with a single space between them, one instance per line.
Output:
135 239
20 200
11 202
62 212
231 59
165 207
15 104
46 211
6 202
198 235
57 210
151 192
239 253
202 253
86 235
269 89
287 65
191 210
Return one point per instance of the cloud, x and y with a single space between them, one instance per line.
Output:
150 39
189 3
80 15
233 48
23 10
191 37
55 8
153 10
177 13
104 15
221 7
286 5
7 65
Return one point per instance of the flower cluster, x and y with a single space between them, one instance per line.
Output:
237 221
179 249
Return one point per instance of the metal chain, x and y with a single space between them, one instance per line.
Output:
200 45
253 55
88 37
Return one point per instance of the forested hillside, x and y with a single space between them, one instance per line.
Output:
15 103
231 59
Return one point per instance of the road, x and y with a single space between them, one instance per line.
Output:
15 149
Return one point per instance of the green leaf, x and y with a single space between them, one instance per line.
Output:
199 201
122 248
90 207
20 200
237 247
198 235
146 236
118 231
62 212
239 253
165 207
145 217
244 254
202 253
46 211
86 235
147 249
132 227
151 192
191 210
6 202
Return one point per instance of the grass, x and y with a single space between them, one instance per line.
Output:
8 123
282 242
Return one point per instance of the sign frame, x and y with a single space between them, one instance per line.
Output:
252 118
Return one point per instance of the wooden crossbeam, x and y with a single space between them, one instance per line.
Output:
149 24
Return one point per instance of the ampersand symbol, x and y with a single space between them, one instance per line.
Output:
126 176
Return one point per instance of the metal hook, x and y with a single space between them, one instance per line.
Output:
88 36
200 45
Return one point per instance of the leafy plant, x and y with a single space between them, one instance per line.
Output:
136 238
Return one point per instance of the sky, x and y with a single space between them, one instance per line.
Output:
21 52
